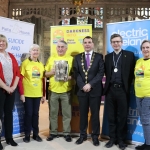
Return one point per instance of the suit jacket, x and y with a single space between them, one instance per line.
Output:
127 69
95 74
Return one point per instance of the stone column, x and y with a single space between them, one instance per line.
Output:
4 8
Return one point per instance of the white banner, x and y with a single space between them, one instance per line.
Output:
19 35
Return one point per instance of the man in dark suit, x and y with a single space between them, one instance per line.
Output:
88 71
119 71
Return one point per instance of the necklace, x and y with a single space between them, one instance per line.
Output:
82 64
115 64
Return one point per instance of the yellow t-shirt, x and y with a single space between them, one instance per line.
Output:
142 78
59 86
32 81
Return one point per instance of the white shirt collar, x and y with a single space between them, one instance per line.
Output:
117 52
91 52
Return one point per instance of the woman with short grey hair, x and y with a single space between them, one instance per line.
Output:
33 92
142 92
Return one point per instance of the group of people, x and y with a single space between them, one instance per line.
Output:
87 70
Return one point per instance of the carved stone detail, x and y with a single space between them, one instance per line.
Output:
4 8
37 11
98 41
128 12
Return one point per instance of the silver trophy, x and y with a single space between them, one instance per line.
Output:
61 70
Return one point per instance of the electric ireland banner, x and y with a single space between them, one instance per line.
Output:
133 33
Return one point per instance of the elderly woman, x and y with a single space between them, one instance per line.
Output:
32 71
142 92
9 77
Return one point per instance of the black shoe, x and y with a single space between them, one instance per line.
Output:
26 139
80 140
140 147
51 137
122 145
11 142
110 143
147 147
68 138
95 141
1 147
37 138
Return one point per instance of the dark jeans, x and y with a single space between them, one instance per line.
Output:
117 109
31 120
6 106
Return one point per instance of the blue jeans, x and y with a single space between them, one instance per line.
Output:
143 105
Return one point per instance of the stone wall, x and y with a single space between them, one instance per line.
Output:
4 8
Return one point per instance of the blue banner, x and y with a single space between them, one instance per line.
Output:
18 115
133 33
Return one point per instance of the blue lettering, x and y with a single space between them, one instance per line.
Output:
17 41
6 29
25 33
18 55
17 48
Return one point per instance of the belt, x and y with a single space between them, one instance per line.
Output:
116 85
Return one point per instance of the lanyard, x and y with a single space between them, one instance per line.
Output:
115 64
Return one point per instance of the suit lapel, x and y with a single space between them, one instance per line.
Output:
124 58
93 59
84 57
110 62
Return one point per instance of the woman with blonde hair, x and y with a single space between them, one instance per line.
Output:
33 92
9 77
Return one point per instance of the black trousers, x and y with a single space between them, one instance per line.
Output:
93 103
31 120
6 106
117 108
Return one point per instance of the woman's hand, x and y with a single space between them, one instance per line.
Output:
13 88
43 99
9 90
22 97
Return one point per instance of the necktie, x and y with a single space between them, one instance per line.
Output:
88 59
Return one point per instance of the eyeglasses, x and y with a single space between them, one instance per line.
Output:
113 42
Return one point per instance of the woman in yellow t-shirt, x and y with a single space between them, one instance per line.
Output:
142 92
32 92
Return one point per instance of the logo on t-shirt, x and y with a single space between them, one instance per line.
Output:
35 72
140 72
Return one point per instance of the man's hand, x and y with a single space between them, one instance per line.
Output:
87 87
67 78
52 72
